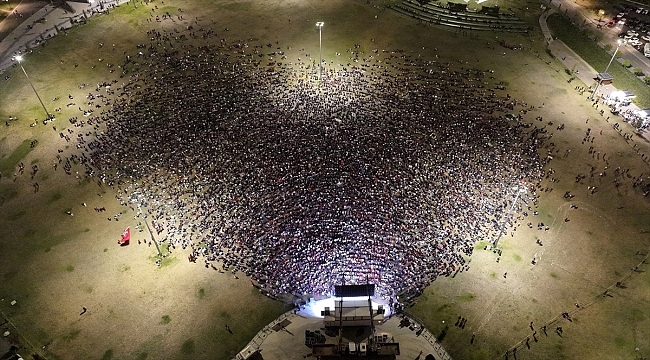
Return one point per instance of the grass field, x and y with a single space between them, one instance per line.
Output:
53 264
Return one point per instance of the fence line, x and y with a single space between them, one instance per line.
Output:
256 342
261 335
440 351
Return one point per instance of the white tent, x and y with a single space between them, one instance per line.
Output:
644 114
621 95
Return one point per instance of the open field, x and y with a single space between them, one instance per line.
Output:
53 264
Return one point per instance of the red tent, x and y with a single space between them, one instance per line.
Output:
126 237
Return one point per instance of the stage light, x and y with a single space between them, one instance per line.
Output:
315 308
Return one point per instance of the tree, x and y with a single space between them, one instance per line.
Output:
638 71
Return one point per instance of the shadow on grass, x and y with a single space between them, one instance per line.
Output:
188 347
108 354
8 192
73 334
8 165
442 334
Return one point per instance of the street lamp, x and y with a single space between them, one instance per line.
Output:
320 48
19 58
520 191
620 42
601 12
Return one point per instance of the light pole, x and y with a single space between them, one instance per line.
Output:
601 12
620 42
19 58
520 190
320 48
160 254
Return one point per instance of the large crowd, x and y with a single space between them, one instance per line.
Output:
387 171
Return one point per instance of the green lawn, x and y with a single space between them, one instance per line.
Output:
589 50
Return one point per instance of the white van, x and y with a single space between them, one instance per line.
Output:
646 49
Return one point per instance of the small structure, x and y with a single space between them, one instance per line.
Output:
363 349
490 10
604 78
250 353
351 310
456 7
353 313
352 348
354 310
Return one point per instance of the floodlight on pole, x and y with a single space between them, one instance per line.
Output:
320 48
19 59
520 190
620 42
